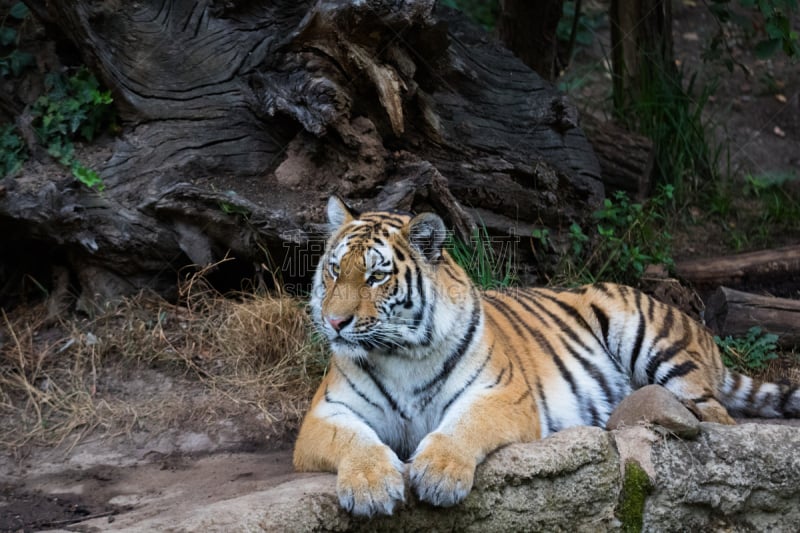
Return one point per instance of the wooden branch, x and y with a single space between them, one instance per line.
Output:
762 267
731 312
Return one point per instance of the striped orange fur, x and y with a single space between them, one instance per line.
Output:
429 375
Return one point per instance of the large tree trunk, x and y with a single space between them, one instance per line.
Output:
241 117
641 48
528 28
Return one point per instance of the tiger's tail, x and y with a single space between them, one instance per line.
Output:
745 396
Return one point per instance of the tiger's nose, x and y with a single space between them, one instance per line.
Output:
338 323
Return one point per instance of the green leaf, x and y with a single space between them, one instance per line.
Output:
87 176
19 11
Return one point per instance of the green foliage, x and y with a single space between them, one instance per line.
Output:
233 209
488 262
12 151
779 205
73 108
12 60
672 116
776 32
484 12
542 237
627 239
748 353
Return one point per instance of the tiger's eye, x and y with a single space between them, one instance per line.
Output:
377 277
334 269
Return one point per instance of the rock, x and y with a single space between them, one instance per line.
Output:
569 481
731 478
656 405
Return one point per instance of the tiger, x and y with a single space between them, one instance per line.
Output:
428 374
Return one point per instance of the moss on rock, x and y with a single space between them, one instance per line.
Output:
636 485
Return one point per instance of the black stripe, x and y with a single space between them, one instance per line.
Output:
383 218
409 302
755 386
587 365
595 415
542 341
563 326
737 382
523 397
497 381
512 353
656 358
367 368
605 288
703 399
786 395
640 331
574 314
602 318
469 382
347 406
455 356
353 386
597 375
663 357
551 426
677 371
417 318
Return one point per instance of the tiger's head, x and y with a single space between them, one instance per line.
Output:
375 285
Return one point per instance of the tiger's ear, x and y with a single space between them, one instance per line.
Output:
427 233
338 213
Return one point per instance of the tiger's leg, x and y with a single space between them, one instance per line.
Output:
443 467
698 391
334 438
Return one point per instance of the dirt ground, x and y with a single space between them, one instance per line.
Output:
112 481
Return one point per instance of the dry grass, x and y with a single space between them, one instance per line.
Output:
252 354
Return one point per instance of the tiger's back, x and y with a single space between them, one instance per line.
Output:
427 369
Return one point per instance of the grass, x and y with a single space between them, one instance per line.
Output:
760 212
686 156
246 355
487 261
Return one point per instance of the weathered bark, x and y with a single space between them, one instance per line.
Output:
241 117
763 268
626 158
731 312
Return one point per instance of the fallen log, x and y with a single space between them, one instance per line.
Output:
732 312
626 158
239 118
764 267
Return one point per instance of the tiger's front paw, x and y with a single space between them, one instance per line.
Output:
440 472
371 482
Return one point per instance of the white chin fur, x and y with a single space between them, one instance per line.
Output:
345 349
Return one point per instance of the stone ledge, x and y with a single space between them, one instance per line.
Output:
741 478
